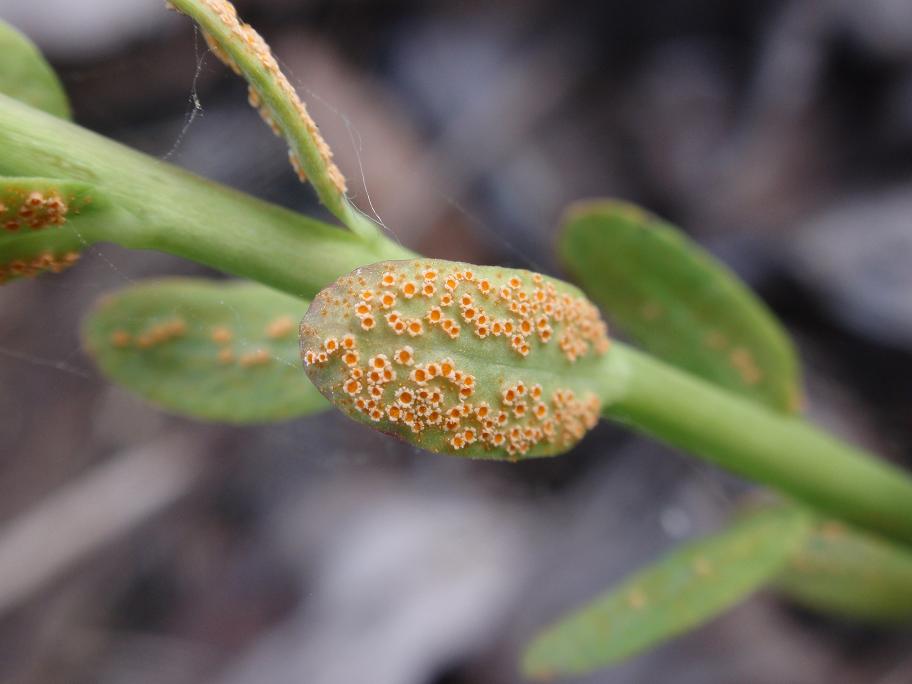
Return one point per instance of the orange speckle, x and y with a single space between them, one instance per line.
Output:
280 327
121 339
221 335
258 357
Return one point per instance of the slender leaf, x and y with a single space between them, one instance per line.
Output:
845 571
478 361
26 76
683 590
240 47
678 301
224 351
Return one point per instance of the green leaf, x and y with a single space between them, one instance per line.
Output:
678 301
45 223
845 571
26 76
681 591
216 350
242 49
483 362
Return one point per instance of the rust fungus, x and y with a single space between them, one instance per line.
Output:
505 391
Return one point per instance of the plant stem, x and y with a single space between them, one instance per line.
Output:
746 438
157 206
161 207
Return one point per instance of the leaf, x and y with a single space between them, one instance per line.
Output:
679 302
845 571
685 589
27 77
243 50
216 350
44 223
485 362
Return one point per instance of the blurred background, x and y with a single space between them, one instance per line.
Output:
140 548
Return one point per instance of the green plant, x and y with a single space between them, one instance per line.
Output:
479 361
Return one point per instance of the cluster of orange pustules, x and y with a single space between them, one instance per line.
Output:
437 394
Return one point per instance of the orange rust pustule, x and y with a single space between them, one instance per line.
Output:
35 266
25 210
415 389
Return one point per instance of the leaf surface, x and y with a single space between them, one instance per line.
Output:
845 571
683 590
26 76
678 301
217 350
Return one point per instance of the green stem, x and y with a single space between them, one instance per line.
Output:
746 438
153 205
159 206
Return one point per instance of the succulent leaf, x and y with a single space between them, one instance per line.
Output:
846 571
678 301
683 590
44 223
26 76
215 350
484 362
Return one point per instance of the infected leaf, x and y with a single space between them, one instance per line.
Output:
44 223
479 361
683 590
222 351
679 302
845 571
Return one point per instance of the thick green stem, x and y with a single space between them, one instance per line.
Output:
746 438
159 206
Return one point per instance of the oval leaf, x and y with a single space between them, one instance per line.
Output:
685 589
844 571
224 351
27 77
481 361
678 301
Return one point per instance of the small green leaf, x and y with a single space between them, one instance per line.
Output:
27 77
484 362
45 223
216 350
845 571
678 301
681 591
